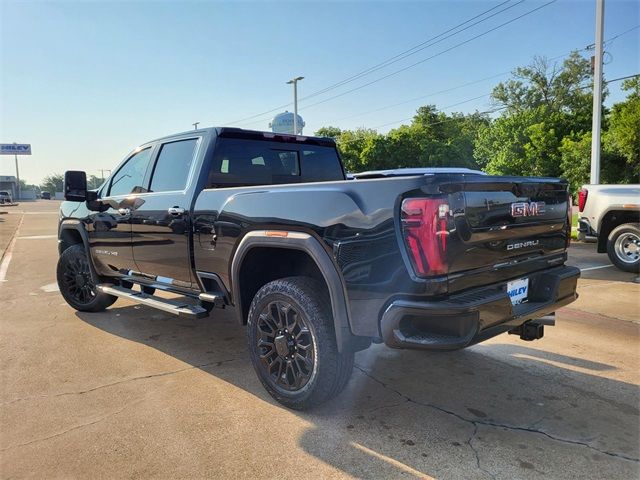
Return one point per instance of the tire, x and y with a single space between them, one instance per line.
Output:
288 318
623 247
75 282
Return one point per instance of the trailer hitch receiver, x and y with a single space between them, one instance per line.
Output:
533 329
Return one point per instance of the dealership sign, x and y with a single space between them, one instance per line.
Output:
15 149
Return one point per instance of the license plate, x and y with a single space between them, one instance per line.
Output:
518 290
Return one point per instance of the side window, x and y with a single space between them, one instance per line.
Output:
173 166
130 177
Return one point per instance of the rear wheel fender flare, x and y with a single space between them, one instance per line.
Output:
311 246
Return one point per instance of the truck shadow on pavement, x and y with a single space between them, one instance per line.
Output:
502 409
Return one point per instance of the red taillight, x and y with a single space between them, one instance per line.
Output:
582 198
424 228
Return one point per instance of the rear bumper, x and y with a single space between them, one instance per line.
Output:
473 316
585 227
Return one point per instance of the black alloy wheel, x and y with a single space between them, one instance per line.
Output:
77 280
285 345
76 283
292 343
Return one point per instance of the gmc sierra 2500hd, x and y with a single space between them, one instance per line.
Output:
317 266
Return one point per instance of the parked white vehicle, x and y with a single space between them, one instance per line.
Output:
5 197
612 214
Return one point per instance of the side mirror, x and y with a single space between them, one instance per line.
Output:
75 186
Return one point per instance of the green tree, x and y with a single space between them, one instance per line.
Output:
94 182
560 88
575 151
351 144
432 139
331 132
623 135
52 183
542 104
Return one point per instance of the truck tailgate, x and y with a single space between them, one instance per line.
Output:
504 227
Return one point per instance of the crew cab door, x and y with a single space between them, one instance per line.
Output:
110 230
161 224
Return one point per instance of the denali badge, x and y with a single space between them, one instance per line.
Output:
530 243
524 209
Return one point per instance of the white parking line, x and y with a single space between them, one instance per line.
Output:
6 258
36 237
46 212
595 268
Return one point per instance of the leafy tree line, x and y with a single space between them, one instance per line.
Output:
55 182
543 129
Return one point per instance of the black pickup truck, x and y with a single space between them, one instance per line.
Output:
316 265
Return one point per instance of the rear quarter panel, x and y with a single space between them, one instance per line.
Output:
353 220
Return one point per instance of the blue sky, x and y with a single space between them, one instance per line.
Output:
85 82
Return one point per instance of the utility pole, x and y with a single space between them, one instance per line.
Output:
17 177
102 170
295 81
597 95
195 125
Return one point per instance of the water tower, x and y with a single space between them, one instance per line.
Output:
283 123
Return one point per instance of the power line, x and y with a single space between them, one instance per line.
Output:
610 40
396 72
501 74
475 81
426 96
435 55
417 48
441 110
402 55
486 112
503 107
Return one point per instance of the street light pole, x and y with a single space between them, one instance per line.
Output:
17 177
294 81
597 95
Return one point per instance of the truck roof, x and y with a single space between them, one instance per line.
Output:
254 134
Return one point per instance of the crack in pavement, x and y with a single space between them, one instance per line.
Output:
133 379
476 453
485 423
77 427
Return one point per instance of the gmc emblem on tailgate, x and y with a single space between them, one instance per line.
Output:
524 209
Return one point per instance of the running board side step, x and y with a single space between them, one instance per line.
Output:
176 307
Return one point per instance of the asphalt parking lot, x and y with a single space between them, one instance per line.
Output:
137 393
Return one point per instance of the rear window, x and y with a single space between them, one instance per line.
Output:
173 165
239 162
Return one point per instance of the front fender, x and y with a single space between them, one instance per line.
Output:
77 227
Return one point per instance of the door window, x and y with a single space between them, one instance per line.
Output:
173 166
130 177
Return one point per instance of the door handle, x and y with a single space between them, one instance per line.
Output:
176 211
124 211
